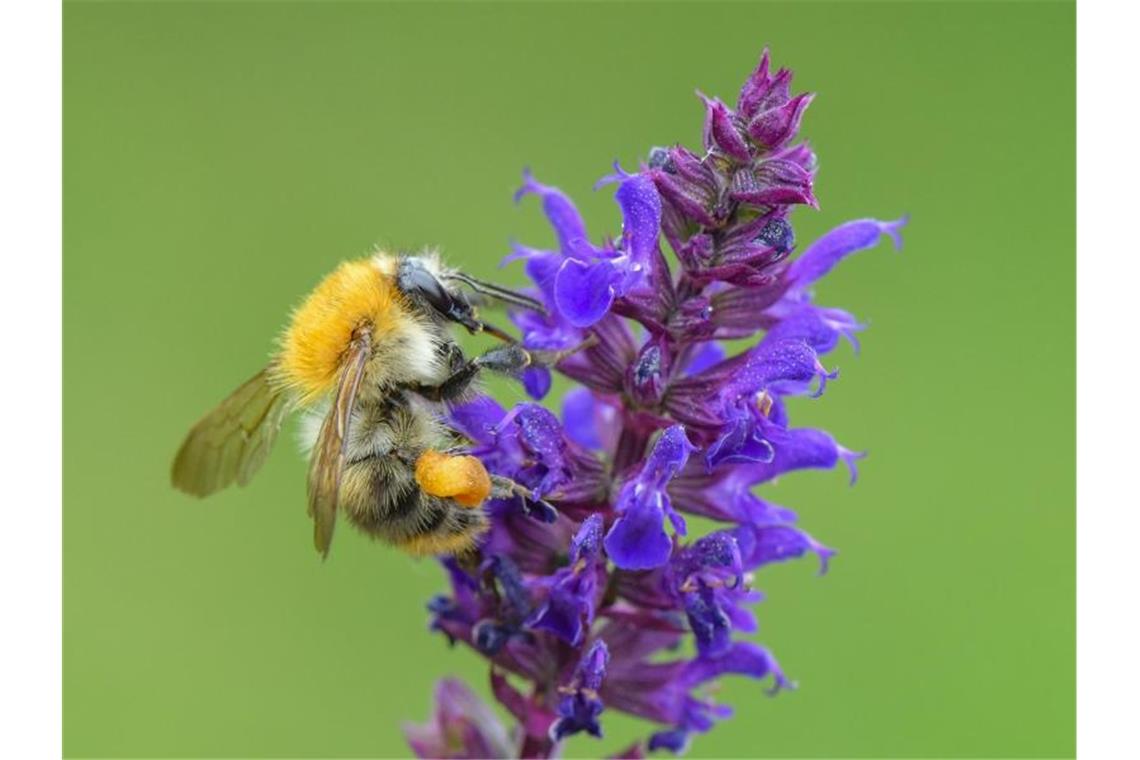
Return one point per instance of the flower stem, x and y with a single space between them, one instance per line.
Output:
538 747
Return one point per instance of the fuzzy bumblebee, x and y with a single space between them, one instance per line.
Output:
369 357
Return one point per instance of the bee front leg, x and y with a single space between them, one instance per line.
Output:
508 360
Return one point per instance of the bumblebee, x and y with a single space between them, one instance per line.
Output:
369 358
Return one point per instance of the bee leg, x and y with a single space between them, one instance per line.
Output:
550 358
454 386
539 509
508 360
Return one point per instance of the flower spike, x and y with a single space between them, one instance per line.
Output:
583 608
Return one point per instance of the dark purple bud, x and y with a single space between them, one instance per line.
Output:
762 92
635 751
777 126
692 188
800 154
720 132
540 510
774 182
648 367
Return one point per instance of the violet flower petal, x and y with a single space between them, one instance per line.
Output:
560 210
641 217
637 540
584 292
821 256
536 382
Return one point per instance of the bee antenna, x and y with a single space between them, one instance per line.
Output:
496 292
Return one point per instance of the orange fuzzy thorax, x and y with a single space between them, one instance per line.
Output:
313 346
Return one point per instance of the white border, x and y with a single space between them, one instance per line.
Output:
30 313
1108 294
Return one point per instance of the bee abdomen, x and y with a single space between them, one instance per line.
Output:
380 496
442 526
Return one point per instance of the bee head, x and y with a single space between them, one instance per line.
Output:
415 279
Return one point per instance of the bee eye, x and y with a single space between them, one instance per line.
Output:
416 281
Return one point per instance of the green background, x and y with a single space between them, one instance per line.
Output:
220 158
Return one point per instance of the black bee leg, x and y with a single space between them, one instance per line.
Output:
453 387
539 509
508 360
452 355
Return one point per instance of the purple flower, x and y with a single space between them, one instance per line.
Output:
583 596
580 706
637 540
462 727
581 281
568 610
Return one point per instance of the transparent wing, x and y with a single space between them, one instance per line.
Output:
327 463
231 442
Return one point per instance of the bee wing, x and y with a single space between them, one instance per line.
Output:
327 463
232 441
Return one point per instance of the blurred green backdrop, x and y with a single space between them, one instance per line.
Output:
220 158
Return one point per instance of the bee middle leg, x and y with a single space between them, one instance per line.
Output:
534 506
